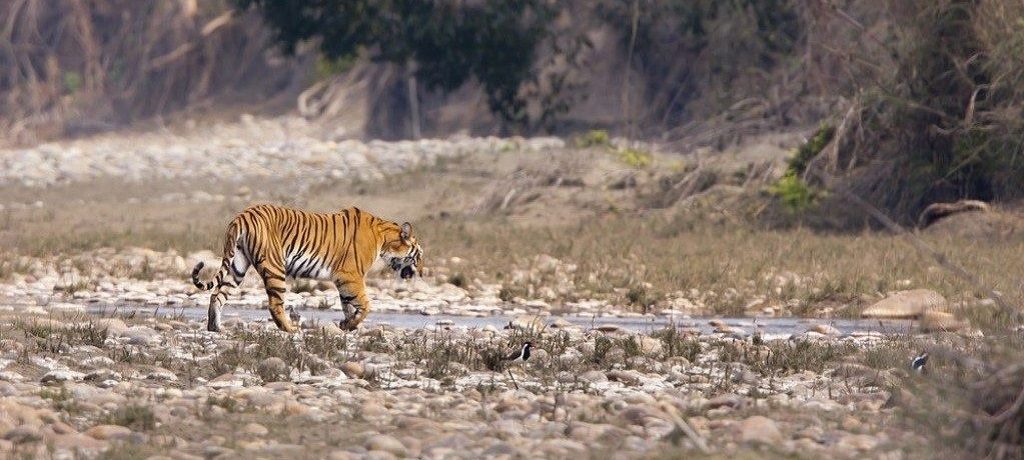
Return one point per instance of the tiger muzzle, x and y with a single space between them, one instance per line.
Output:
405 266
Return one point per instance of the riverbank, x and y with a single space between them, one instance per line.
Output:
83 383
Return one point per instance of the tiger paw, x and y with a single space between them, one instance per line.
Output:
347 325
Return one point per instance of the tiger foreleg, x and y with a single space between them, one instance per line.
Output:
273 282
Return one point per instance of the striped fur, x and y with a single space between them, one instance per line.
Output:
338 247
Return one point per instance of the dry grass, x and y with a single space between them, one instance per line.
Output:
728 265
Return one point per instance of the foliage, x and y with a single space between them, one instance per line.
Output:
809 150
446 42
79 67
794 193
593 138
326 67
716 46
634 157
929 126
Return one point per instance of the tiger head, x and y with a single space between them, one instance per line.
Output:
403 255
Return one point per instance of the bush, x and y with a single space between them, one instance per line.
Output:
635 157
807 151
794 193
937 118
594 138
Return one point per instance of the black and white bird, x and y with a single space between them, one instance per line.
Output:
294 316
520 355
919 361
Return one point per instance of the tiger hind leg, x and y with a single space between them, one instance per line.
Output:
231 275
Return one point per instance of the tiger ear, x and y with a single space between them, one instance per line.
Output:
406 230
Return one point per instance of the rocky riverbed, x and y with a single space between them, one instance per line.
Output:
161 278
81 385
286 147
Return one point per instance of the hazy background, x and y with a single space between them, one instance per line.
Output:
920 100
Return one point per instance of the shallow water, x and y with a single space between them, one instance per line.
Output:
768 326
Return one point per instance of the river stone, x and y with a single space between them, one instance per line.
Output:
61 375
593 377
140 335
824 329
273 368
255 429
759 430
940 321
625 376
106 432
353 369
386 443
906 304
649 346
23 434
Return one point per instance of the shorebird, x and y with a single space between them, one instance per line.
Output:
919 361
519 356
294 315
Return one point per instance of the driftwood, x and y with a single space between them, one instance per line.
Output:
936 211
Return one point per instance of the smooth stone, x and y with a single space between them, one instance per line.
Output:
759 430
906 304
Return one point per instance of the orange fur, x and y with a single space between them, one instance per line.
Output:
279 242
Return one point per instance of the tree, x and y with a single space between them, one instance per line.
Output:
444 42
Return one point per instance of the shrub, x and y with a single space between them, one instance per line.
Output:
797 164
794 193
635 157
593 138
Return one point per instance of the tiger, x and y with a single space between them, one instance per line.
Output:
340 247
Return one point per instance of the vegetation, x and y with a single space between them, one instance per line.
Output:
794 193
593 138
443 43
926 126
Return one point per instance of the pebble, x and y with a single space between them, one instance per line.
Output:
353 369
760 430
383 442
108 432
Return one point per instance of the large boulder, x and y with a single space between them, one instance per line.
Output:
906 304
940 321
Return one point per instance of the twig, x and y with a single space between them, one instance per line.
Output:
1009 411
688 430
513 378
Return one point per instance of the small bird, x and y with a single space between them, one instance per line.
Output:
294 316
520 355
919 361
